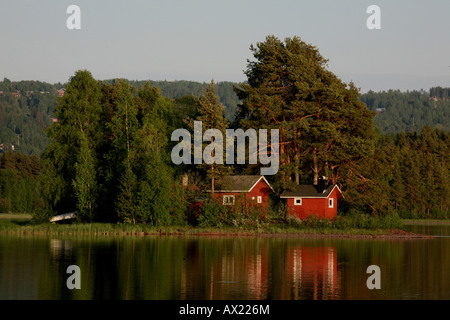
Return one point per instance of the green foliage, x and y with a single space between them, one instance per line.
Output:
19 186
409 173
409 111
358 219
210 113
84 183
323 125
42 215
109 156
213 214
182 90
23 120
353 220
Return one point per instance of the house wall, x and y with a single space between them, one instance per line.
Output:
250 199
261 189
314 206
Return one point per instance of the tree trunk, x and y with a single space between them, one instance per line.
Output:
315 168
212 173
212 179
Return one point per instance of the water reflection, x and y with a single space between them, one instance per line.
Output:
61 248
222 268
313 272
259 269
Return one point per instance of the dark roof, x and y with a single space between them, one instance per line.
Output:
237 183
309 191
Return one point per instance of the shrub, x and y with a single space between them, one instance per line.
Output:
42 215
213 214
356 219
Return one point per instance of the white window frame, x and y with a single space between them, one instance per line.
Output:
259 199
228 202
331 203
296 203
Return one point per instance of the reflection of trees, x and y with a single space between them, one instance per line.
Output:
176 268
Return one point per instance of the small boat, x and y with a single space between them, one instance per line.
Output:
63 217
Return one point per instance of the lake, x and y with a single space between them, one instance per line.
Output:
34 267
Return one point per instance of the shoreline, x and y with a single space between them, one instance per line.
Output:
24 227
389 234
63 230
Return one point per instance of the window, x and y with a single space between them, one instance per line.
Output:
228 200
298 201
259 199
331 203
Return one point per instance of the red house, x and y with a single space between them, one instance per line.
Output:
309 200
250 191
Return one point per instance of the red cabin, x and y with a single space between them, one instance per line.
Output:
309 200
250 191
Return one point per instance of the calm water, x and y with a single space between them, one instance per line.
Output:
221 268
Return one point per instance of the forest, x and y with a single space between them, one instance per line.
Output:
108 154
409 111
24 118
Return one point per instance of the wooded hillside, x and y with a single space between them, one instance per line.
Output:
27 108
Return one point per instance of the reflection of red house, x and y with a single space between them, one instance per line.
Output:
251 191
256 274
309 200
313 271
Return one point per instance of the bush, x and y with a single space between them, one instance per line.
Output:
42 215
213 214
356 219
316 222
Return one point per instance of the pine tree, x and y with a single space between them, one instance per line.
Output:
322 123
210 113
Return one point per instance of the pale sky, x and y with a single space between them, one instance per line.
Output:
201 40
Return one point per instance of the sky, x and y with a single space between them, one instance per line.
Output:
201 40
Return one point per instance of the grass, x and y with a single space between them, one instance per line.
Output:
243 228
11 227
343 226
15 216
425 221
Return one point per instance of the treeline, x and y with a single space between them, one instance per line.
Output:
109 156
109 153
24 118
19 184
28 86
409 111
131 178
26 108
408 173
440 93
179 89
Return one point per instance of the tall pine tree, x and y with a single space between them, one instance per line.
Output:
323 127
210 113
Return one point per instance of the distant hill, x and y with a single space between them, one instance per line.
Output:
409 111
27 109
